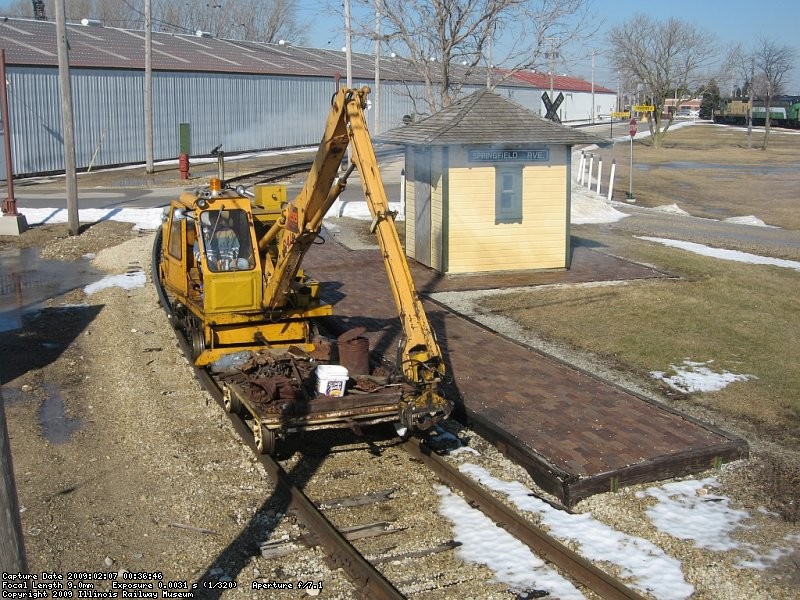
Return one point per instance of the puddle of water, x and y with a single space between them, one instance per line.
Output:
13 396
26 281
56 426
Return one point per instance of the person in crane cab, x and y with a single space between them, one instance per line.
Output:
222 242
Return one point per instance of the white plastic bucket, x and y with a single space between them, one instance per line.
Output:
331 380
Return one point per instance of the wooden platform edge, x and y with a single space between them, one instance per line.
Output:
550 478
571 489
667 466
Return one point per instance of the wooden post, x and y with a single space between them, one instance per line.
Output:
148 88
12 547
67 121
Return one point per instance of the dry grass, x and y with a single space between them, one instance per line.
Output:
739 316
709 171
779 483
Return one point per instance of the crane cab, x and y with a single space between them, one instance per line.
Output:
209 258
212 268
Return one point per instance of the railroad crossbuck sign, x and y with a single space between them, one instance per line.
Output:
632 127
552 107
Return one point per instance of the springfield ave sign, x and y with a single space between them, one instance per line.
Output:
520 155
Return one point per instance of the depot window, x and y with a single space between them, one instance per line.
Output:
508 194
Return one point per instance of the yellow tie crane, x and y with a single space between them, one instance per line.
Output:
261 301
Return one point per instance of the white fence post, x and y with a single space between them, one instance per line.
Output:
599 173
591 168
582 164
611 179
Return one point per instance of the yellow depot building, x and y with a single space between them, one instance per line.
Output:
487 187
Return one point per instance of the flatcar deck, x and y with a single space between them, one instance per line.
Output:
576 434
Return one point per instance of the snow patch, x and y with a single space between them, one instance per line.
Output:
733 255
698 377
140 218
748 220
672 209
483 542
647 567
126 281
688 511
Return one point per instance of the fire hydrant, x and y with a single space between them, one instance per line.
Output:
183 165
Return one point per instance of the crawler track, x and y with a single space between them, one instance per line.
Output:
343 554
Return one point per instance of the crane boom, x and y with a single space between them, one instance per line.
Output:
230 261
302 219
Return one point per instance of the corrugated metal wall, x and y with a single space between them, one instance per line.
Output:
241 112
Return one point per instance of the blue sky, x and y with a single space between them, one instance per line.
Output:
730 21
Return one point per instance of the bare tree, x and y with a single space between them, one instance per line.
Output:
773 62
258 20
125 14
661 57
19 8
447 41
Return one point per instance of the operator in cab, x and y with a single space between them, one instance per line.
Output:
222 238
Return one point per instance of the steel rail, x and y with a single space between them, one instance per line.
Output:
340 551
273 173
544 545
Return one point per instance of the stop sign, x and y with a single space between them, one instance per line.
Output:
632 128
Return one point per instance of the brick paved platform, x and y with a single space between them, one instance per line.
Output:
576 434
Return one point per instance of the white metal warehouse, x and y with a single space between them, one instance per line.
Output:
241 95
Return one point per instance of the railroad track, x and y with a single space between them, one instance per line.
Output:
341 551
268 175
283 171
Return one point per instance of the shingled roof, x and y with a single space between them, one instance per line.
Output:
563 83
29 42
485 117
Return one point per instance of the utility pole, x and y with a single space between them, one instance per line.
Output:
349 61
12 546
551 56
750 103
347 45
593 86
376 104
148 87
489 57
489 66
67 120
